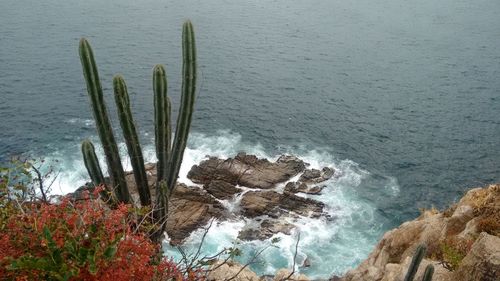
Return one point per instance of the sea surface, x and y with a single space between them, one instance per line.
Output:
401 97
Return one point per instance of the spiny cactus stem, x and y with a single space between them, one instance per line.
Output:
162 121
94 169
131 139
187 104
415 262
429 271
104 129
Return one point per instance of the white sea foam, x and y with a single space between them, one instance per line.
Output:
331 246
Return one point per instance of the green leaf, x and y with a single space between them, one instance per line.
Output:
110 252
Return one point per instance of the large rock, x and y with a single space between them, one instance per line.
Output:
221 189
231 271
483 260
266 229
247 170
189 209
391 257
316 176
274 204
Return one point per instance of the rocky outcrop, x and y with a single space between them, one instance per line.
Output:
247 170
274 204
189 209
463 243
247 177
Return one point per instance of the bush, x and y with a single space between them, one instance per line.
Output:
81 240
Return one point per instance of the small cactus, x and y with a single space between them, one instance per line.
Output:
131 139
429 271
93 167
415 262
104 130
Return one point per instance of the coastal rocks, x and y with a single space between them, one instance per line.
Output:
221 189
189 209
316 176
247 170
296 187
274 204
266 229
468 228
231 271
285 274
483 260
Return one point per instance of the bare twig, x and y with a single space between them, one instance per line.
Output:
40 183
294 259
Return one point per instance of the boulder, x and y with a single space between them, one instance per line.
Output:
225 271
221 189
483 260
247 170
266 229
317 176
189 209
274 204
286 275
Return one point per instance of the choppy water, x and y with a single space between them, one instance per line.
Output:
402 96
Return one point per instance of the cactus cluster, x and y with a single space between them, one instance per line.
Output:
169 153
415 263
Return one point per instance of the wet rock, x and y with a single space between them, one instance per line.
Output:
296 187
317 176
273 204
189 209
247 170
221 189
266 230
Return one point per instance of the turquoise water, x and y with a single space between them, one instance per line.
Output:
402 97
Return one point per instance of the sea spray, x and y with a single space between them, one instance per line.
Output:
332 246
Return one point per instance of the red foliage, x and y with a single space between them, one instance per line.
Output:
79 241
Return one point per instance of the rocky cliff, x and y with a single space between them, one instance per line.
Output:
463 243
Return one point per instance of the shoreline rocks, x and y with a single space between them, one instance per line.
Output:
463 243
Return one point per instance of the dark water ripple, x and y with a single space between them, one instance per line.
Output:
406 89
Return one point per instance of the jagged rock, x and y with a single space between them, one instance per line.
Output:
271 203
483 260
189 209
391 257
285 274
247 170
296 187
265 230
221 189
317 176
230 270
306 263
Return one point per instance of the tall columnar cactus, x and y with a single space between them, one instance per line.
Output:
161 209
115 168
415 262
429 271
131 139
162 121
187 104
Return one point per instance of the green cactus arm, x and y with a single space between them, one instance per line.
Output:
186 106
161 121
415 262
131 139
103 124
92 163
94 169
429 271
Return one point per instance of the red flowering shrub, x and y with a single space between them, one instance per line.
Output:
78 241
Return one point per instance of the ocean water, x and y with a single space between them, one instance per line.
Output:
401 97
